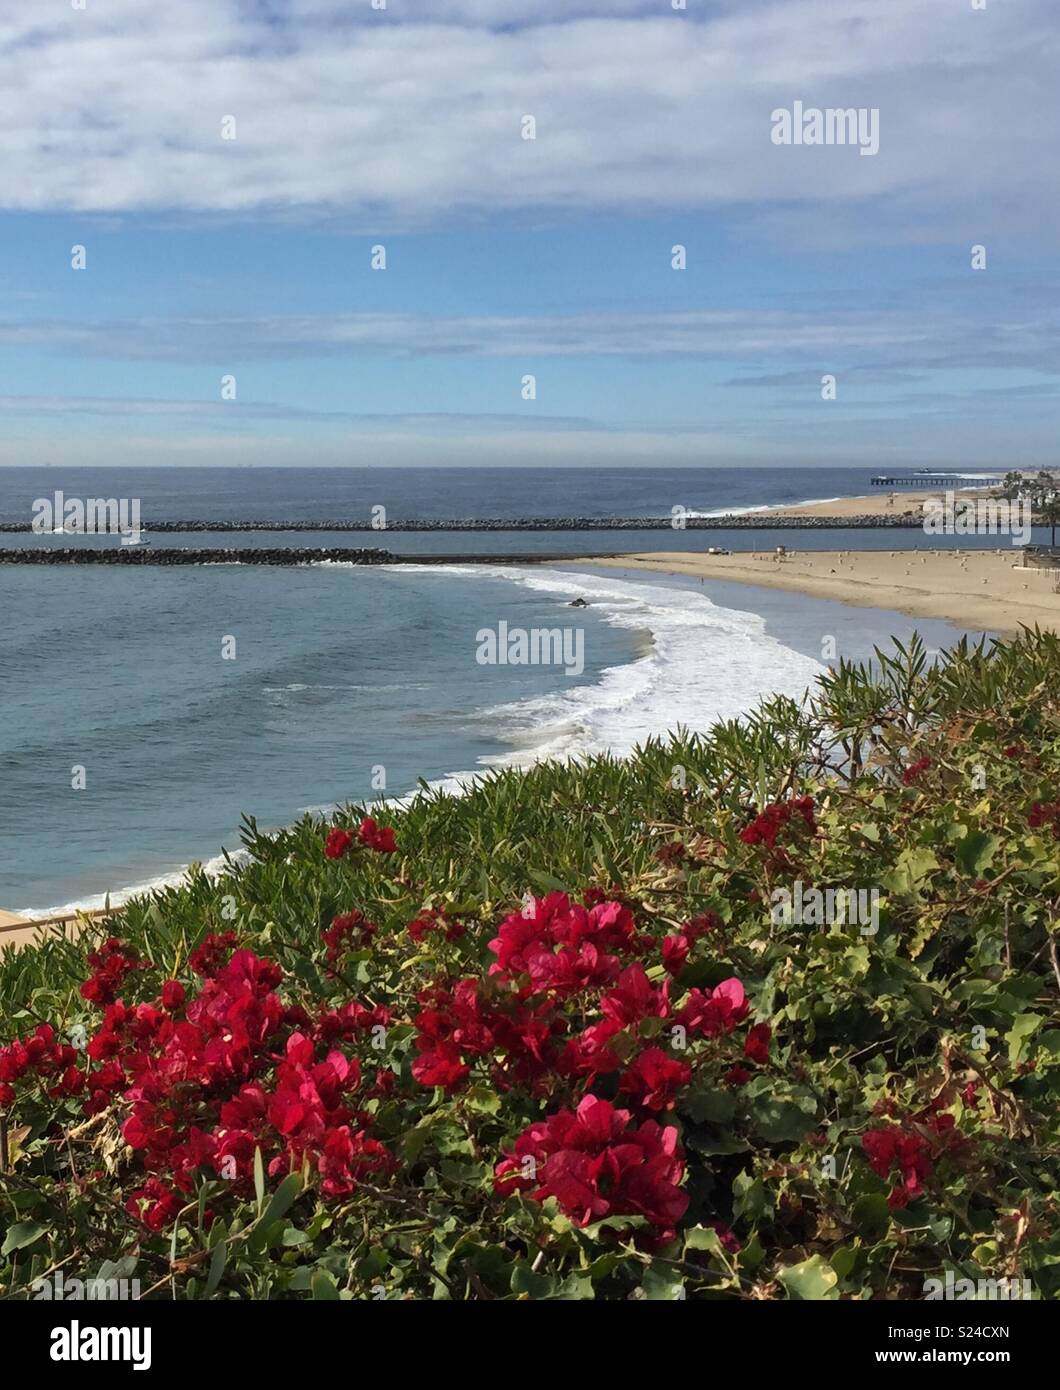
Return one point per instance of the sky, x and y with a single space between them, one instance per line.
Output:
229 168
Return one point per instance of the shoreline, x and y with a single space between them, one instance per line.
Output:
563 720
973 589
981 590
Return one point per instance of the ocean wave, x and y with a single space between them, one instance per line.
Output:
703 663
299 687
763 507
96 901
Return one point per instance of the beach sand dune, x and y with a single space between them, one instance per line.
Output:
982 590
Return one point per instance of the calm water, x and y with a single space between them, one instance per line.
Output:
280 494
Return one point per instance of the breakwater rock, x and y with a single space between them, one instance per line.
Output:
136 555
754 521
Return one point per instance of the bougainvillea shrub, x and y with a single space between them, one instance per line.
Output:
548 1040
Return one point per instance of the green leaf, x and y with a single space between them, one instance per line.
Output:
709 1106
576 1287
323 1286
282 1198
527 1281
217 1267
21 1234
663 1284
751 1198
813 1280
1019 1035
751 1255
613 1223
259 1177
911 868
976 851
704 1238
780 1120
483 1099
546 883
871 1214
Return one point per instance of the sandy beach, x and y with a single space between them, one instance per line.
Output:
976 589
15 931
21 931
881 502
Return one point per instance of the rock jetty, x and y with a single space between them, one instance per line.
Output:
754 521
177 556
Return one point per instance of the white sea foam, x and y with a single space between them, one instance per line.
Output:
97 901
703 663
763 507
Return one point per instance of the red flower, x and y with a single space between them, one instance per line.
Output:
430 919
635 998
675 953
596 1165
155 1204
654 1079
698 926
767 825
562 946
377 837
756 1045
347 1156
349 929
728 1240
589 1054
110 965
207 956
913 771
172 995
41 1056
895 1148
441 1065
718 1011
1045 813
337 843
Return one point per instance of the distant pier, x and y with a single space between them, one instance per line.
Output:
929 480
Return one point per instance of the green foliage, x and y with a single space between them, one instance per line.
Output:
924 778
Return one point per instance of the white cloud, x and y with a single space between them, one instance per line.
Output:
813 337
118 108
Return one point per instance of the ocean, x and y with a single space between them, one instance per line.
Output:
182 699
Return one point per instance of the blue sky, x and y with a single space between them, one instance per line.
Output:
505 257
